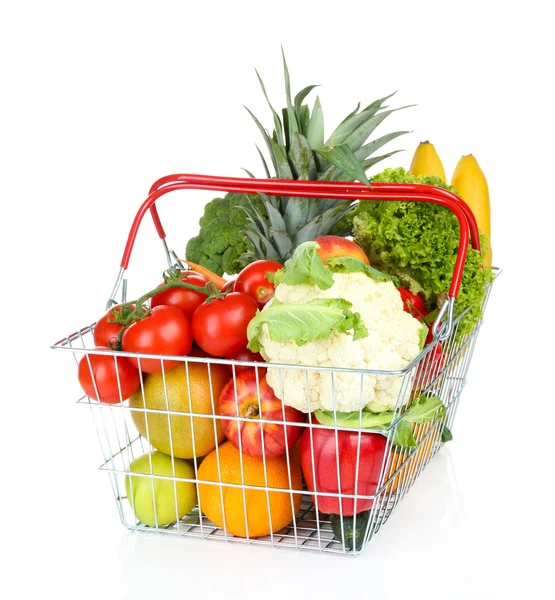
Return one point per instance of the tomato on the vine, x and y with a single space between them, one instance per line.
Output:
102 380
183 299
220 324
105 332
166 330
228 286
252 280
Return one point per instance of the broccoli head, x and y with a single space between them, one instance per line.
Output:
221 244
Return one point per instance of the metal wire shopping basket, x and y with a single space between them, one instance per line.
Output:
292 514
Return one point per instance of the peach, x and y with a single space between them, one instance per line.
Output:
334 246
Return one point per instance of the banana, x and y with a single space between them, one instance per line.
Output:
471 185
426 161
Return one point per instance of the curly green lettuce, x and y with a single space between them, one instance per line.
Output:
418 243
221 245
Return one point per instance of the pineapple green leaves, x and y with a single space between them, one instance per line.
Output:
298 150
269 227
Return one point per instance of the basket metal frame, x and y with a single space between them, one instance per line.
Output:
310 529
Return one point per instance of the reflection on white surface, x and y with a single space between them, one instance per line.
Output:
424 550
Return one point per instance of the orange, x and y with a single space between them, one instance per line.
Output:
192 389
283 506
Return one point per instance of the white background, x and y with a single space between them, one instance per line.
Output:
100 99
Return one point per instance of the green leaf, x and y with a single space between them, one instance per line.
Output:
354 322
403 435
301 323
347 126
304 119
358 419
278 230
248 173
354 122
302 158
368 149
277 121
266 170
359 135
343 157
266 137
324 222
263 246
370 162
292 125
299 98
283 168
349 264
377 104
305 266
446 435
315 133
424 410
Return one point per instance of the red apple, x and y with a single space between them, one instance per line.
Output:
334 246
246 403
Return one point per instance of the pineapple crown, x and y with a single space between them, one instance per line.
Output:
298 151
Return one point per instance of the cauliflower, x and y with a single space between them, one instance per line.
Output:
391 339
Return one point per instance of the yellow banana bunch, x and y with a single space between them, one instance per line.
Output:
426 161
471 185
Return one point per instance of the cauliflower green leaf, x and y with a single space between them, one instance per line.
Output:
423 410
303 323
349 264
305 266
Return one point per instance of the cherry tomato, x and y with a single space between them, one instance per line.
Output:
413 304
247 355
228 286
100 370
252 280
220 324
104 331
165 331
186 300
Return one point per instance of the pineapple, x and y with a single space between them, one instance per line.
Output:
297 151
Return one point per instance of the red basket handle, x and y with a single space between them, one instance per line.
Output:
331 186
316 189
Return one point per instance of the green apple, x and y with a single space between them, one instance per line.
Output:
144 493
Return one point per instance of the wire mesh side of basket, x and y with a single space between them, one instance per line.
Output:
122 442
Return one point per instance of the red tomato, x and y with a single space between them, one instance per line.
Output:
413 304
186 300
252 280
228 286
220 326
247 355
165 331
101 370
321 456
105 332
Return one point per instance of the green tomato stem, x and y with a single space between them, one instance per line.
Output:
131 312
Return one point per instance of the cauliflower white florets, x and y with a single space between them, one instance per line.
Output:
393 340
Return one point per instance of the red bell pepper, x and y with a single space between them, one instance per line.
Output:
321 474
